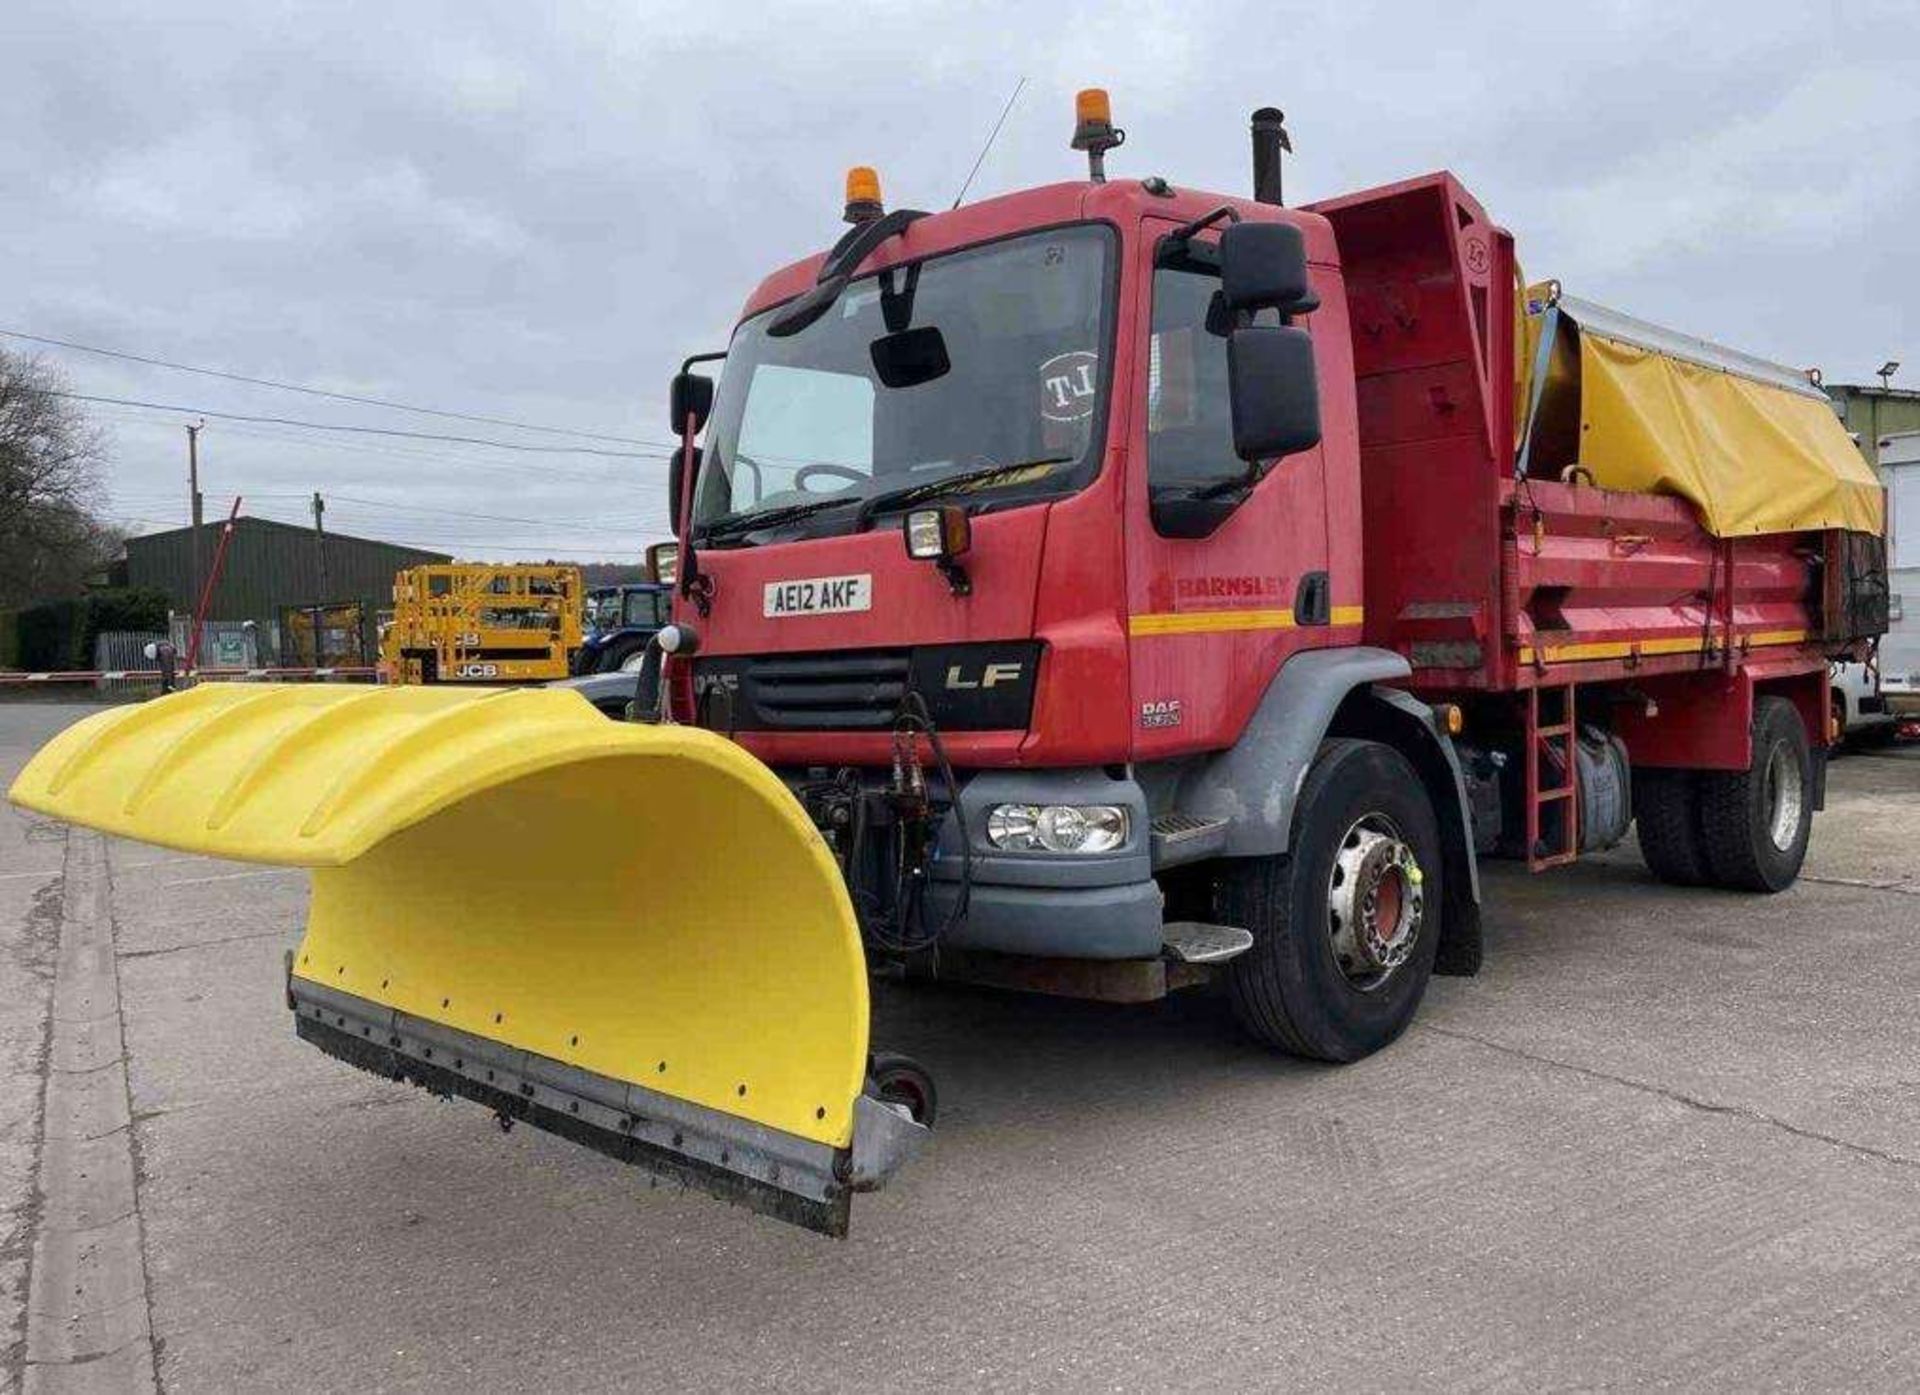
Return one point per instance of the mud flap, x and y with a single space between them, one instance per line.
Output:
631 936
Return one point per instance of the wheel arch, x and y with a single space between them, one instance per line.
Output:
1254 784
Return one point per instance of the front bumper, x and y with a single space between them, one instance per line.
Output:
1048 905
1107 922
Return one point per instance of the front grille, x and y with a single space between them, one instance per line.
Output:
966 687
856 691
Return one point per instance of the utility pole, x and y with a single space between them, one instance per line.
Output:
193 512
320 567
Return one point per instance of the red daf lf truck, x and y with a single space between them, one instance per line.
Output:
1090 590
1129 578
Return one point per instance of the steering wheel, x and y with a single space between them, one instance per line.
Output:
821 469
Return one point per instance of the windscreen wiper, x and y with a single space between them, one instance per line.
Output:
933 489
735 524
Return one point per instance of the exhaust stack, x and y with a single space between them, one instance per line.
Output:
1269 140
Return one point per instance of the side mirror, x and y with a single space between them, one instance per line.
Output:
663 562
676 485
691 395
1275 392
1263 266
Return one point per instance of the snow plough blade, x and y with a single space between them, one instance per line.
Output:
628 935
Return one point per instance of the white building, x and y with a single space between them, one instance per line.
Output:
1900 650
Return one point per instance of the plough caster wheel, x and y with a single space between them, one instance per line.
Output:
896 1079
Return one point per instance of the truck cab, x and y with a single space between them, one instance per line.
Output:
1000 506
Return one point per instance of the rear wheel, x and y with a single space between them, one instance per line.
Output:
1666 809
1755 823
1345 924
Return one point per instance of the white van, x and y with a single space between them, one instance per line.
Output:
1900 649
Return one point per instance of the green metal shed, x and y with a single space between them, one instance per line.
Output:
272 568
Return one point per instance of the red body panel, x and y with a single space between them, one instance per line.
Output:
1408 505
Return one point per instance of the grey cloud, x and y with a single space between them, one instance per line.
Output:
534 211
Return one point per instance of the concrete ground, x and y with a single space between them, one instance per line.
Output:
1665 1138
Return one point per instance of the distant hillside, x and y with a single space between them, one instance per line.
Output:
612 573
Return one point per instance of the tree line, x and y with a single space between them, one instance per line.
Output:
52 542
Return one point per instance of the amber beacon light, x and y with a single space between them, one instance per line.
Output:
863 195
1094 131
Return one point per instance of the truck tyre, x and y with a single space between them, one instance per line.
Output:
615 657
1666 810
1345 923
1755 823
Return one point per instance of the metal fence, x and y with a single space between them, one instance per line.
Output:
229 652
121 652
224 643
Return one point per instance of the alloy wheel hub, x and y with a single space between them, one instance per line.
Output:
1375 903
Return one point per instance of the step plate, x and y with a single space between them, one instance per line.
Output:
1196 942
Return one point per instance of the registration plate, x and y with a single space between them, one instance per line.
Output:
819 595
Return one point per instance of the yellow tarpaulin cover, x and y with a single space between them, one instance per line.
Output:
1753 444
1754 458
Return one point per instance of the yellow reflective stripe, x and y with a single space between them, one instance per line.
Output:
1193 622
1620 649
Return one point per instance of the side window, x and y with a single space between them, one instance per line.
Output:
1189 417
648 607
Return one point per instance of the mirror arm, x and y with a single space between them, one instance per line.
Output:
1178 242
859 241
694 586
854 246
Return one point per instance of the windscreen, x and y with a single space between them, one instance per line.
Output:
992 356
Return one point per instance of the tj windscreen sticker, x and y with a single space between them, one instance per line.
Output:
1068 385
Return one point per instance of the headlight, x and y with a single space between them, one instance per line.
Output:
1057 828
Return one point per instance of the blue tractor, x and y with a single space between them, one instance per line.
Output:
620 621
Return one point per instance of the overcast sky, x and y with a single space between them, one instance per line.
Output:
494 209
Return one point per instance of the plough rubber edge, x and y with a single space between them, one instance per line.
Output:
826 1217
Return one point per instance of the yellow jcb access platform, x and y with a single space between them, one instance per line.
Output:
472 622
702 1014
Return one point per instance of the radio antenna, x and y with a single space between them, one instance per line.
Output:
992 136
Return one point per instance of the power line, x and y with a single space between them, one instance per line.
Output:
662 454
321 392
464 542
594 527
255 434
379 507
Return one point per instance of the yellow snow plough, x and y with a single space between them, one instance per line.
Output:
655 1019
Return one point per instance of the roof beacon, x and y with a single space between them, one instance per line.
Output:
1094 131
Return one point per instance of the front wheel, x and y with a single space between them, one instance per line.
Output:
1346 922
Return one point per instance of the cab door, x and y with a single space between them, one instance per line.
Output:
1210 619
